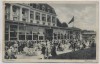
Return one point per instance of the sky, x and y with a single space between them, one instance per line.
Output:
84 15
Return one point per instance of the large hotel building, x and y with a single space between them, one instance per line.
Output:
35 21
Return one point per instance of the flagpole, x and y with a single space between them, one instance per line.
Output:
73 24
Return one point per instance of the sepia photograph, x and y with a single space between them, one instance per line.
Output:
50 31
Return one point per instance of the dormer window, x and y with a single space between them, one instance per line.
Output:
15 9
23 11
38 6
48 9
43 8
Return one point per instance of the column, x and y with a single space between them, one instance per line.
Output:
51 21
34 15
57 36
80 36
18 32
29 15
32 35
40 16
9 33
46 20
41 22
20 13
38 33
11 12
25 31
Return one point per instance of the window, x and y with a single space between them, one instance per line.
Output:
6 31
21 37
7 11
55 36
31 4
38 6
23 11
43 17
40 37
34 5
13 34
6 36
7 8
65 36
48 9
58 36
37 16
29 37
13 27
35 37
31 15
14 8
43 8
6 27
61 36
53 19
48 18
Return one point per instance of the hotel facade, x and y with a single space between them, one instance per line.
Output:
35 21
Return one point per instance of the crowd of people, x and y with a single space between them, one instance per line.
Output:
47 48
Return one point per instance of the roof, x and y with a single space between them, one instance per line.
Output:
35 5
88 32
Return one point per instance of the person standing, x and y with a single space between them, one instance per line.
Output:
43 50
53 51
16 47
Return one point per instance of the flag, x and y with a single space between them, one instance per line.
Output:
72 20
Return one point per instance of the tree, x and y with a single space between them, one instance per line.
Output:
61 24
64 24
58 23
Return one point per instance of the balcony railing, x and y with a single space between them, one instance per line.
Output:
24 16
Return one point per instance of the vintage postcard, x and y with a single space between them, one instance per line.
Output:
51 31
